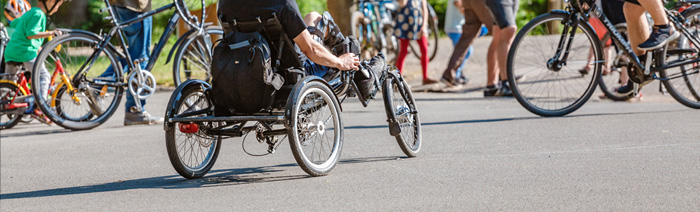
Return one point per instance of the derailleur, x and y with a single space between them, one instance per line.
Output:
271 141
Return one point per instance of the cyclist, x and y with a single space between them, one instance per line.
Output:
138 37
316 57
638 30
29 34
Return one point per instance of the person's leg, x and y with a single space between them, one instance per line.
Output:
637 26
656 10
637 32
507 35
44 76
492 59
312 18
138 36
424 60
455 38
403 52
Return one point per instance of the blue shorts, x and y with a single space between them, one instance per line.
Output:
315 69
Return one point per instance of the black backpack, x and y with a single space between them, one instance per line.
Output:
243 79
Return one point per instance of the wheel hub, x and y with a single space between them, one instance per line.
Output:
554 65
320 128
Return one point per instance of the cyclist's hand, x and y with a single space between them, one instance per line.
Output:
56 33
348 61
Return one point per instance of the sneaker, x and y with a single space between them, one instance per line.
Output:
490 91
659 37
448 82
462 80
504 90
625 89
136 118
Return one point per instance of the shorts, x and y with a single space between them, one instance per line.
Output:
313 69
504 11
613 10
632 1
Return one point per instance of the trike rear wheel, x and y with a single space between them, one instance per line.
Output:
192 152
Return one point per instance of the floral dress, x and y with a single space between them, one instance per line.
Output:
409 21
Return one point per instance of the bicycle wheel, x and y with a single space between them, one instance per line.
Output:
192 154
684 82
193 57
401 109
95 97
552 87
433 36
8 92
193 12
316 128
619 62
362 31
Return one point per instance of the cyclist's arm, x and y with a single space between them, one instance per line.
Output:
320 55
45 34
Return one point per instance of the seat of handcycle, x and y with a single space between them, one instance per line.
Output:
285 57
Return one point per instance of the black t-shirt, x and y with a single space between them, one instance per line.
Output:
248 10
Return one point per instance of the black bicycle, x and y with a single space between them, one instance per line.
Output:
549 50
90 99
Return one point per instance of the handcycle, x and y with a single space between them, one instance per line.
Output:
554 89
306 110
85 55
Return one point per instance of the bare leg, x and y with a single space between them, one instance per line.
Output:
506 39
492 58
637 30
312 19
656 10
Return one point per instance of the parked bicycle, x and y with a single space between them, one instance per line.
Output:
373 26
85 55
546 47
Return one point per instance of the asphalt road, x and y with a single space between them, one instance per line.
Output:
478 155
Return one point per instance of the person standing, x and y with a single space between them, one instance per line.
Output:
138 36
504 12
412 24
454 19
476 13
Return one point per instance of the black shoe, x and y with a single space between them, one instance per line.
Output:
490 91
625 89
659 37
504 90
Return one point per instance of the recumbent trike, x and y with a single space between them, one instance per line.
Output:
306 109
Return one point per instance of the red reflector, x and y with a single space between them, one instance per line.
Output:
188 128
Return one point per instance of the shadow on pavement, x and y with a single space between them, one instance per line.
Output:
225 177
512 119
40 132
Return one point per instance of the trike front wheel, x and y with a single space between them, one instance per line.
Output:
401 112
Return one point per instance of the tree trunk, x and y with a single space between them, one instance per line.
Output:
341 10
554 5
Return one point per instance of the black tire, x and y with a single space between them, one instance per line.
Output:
685 83
193 98
554 104
619 64
304 103
195 53
368 40
433 38
65 114
402 114
7 92
75 48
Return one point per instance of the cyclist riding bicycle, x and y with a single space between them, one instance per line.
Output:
640 38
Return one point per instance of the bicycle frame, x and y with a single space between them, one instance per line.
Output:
118 31
576 14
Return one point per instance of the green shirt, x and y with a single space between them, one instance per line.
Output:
20 48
